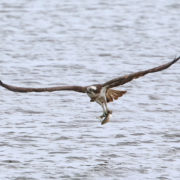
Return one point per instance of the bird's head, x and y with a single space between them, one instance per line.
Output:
91 89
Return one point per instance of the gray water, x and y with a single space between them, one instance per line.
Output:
57 135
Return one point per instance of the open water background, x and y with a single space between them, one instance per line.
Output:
57 135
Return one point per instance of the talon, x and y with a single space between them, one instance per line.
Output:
103 115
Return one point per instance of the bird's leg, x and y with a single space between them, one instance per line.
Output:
104 110
107 114
107 110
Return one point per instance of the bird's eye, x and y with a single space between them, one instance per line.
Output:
91 90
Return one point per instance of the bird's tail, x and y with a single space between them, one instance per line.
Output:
112 94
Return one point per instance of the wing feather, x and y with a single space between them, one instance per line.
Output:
112 94
48 89
125 79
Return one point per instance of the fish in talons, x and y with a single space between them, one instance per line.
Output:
105 118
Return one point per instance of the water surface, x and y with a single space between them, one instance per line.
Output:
57 135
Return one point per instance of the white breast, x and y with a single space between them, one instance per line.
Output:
102 96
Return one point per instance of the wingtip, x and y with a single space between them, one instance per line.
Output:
1 82
176 59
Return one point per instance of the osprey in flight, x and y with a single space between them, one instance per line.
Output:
100 93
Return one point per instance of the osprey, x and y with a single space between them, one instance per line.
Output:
99 93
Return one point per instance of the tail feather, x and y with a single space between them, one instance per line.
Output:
112 94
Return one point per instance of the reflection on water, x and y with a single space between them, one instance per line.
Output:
57 135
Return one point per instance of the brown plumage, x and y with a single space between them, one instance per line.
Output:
125 79
112 94
48 89
83 89
101 93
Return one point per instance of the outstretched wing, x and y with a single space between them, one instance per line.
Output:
49 89
124 79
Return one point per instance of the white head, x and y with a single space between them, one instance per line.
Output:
91 89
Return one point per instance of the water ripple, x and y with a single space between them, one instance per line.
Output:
57 135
